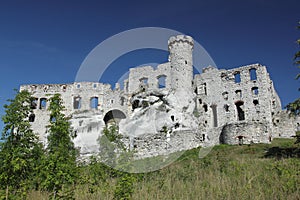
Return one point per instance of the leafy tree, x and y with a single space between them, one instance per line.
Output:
60 170
294 107
20 150
110 145
114 154
297 55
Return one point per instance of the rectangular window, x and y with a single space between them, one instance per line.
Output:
252 74
237 77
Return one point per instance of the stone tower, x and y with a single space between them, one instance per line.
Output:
181 59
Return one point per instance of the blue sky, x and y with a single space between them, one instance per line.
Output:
46 41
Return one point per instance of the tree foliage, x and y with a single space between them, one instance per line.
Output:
20 151
59 172
297 54
294 107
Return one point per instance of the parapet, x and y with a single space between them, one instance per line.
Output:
180 39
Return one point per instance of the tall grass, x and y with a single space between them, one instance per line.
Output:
228 172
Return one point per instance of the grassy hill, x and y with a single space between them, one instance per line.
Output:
258 171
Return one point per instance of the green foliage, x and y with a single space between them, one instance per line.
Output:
125 187
20 152
294 107
110 145
95 175
114 153
297 54
297 137
59 172
228 172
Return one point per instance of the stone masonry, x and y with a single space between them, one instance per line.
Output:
168 109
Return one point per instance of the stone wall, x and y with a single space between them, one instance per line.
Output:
245 133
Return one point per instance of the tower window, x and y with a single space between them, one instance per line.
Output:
252 74
237 77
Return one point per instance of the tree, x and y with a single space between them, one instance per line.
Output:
60 170
294 107
21 150
297 55
114 154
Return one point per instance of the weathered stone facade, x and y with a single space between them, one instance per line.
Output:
167 109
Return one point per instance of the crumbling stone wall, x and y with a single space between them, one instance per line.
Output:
245 133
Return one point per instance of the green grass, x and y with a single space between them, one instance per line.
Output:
258 171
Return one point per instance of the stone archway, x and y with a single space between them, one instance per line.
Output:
113 117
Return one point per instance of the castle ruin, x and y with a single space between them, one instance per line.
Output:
167 109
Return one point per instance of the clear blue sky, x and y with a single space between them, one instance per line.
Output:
46 41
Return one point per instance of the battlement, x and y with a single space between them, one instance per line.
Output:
176 41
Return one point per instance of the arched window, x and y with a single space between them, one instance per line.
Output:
94 102
161 81
114 117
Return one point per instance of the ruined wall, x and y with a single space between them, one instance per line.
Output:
86 102
241 94
148 78
285 125
245 133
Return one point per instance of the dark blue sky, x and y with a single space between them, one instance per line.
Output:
46 41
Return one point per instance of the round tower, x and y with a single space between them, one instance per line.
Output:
181 59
